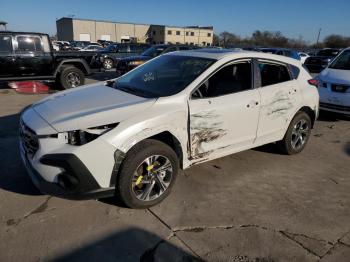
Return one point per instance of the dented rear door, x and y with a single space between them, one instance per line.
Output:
279 102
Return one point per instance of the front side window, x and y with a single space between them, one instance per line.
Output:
342 62
29 44
6 43
163 76
228 80
272 74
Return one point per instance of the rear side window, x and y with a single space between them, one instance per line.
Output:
29 44
272 74
5 43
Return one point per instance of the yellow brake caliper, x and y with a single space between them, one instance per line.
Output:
139 179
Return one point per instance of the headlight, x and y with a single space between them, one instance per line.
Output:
136 63
81 137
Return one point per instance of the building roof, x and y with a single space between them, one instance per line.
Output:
131 23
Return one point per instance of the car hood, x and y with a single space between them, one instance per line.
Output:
89 106
336 76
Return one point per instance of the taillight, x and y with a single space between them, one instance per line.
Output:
313 82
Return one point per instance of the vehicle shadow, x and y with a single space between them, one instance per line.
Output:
133 244
13 176
268 148
326 116
103 75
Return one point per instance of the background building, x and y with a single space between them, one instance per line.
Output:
76 29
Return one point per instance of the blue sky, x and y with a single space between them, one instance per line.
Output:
293 18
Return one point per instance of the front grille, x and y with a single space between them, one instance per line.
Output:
29 139
335 107
339 88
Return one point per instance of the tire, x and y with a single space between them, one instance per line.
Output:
292 143
108 63
134 167
71 77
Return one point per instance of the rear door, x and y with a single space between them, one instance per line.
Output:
224 111
33 56
7 56
280 99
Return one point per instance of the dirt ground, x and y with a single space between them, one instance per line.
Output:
256 205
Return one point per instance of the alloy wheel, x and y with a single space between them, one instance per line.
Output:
152 178
73 79
108 64
299 134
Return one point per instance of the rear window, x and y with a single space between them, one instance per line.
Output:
29 44
5 43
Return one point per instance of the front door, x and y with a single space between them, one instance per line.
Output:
7 57
224 111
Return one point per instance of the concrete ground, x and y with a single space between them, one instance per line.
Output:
257 205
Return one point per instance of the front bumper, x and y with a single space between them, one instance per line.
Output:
56 168
74 182
334 101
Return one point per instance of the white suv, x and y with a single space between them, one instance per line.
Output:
131 136
334 85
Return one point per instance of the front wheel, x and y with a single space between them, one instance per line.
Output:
297 135
147 174
107 63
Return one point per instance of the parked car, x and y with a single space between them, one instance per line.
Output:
92 48
282 51
126 64
56 47
78 45
334 85
104 43
110 55
29 56
316 64
180 109
303 57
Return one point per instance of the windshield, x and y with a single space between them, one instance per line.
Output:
342 62
154 51
328 52
163 76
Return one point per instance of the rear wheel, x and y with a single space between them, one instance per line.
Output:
71 77
147 174
297 135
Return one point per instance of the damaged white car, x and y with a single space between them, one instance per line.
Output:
131 136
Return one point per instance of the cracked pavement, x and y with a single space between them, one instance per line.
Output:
256 205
